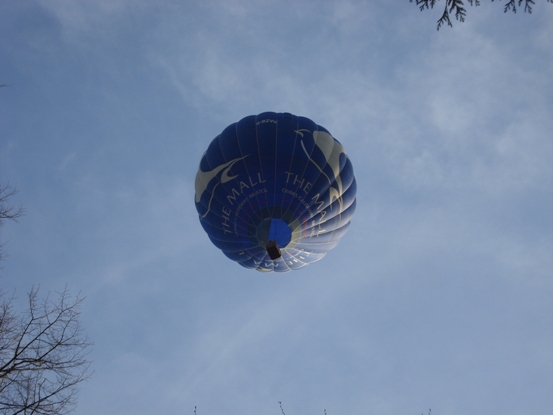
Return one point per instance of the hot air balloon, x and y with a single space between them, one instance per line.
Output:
275 192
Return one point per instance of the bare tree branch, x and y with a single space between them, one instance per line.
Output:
43 355
460 11
7 211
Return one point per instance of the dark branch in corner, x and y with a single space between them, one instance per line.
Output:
457 6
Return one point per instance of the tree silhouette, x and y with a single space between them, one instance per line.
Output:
43 355
43 351
7 211
457 7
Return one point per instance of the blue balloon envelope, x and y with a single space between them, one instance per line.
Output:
275 192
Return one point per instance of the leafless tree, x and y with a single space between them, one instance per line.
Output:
43 355
457 7
43 351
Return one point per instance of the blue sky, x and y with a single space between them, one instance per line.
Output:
440 295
